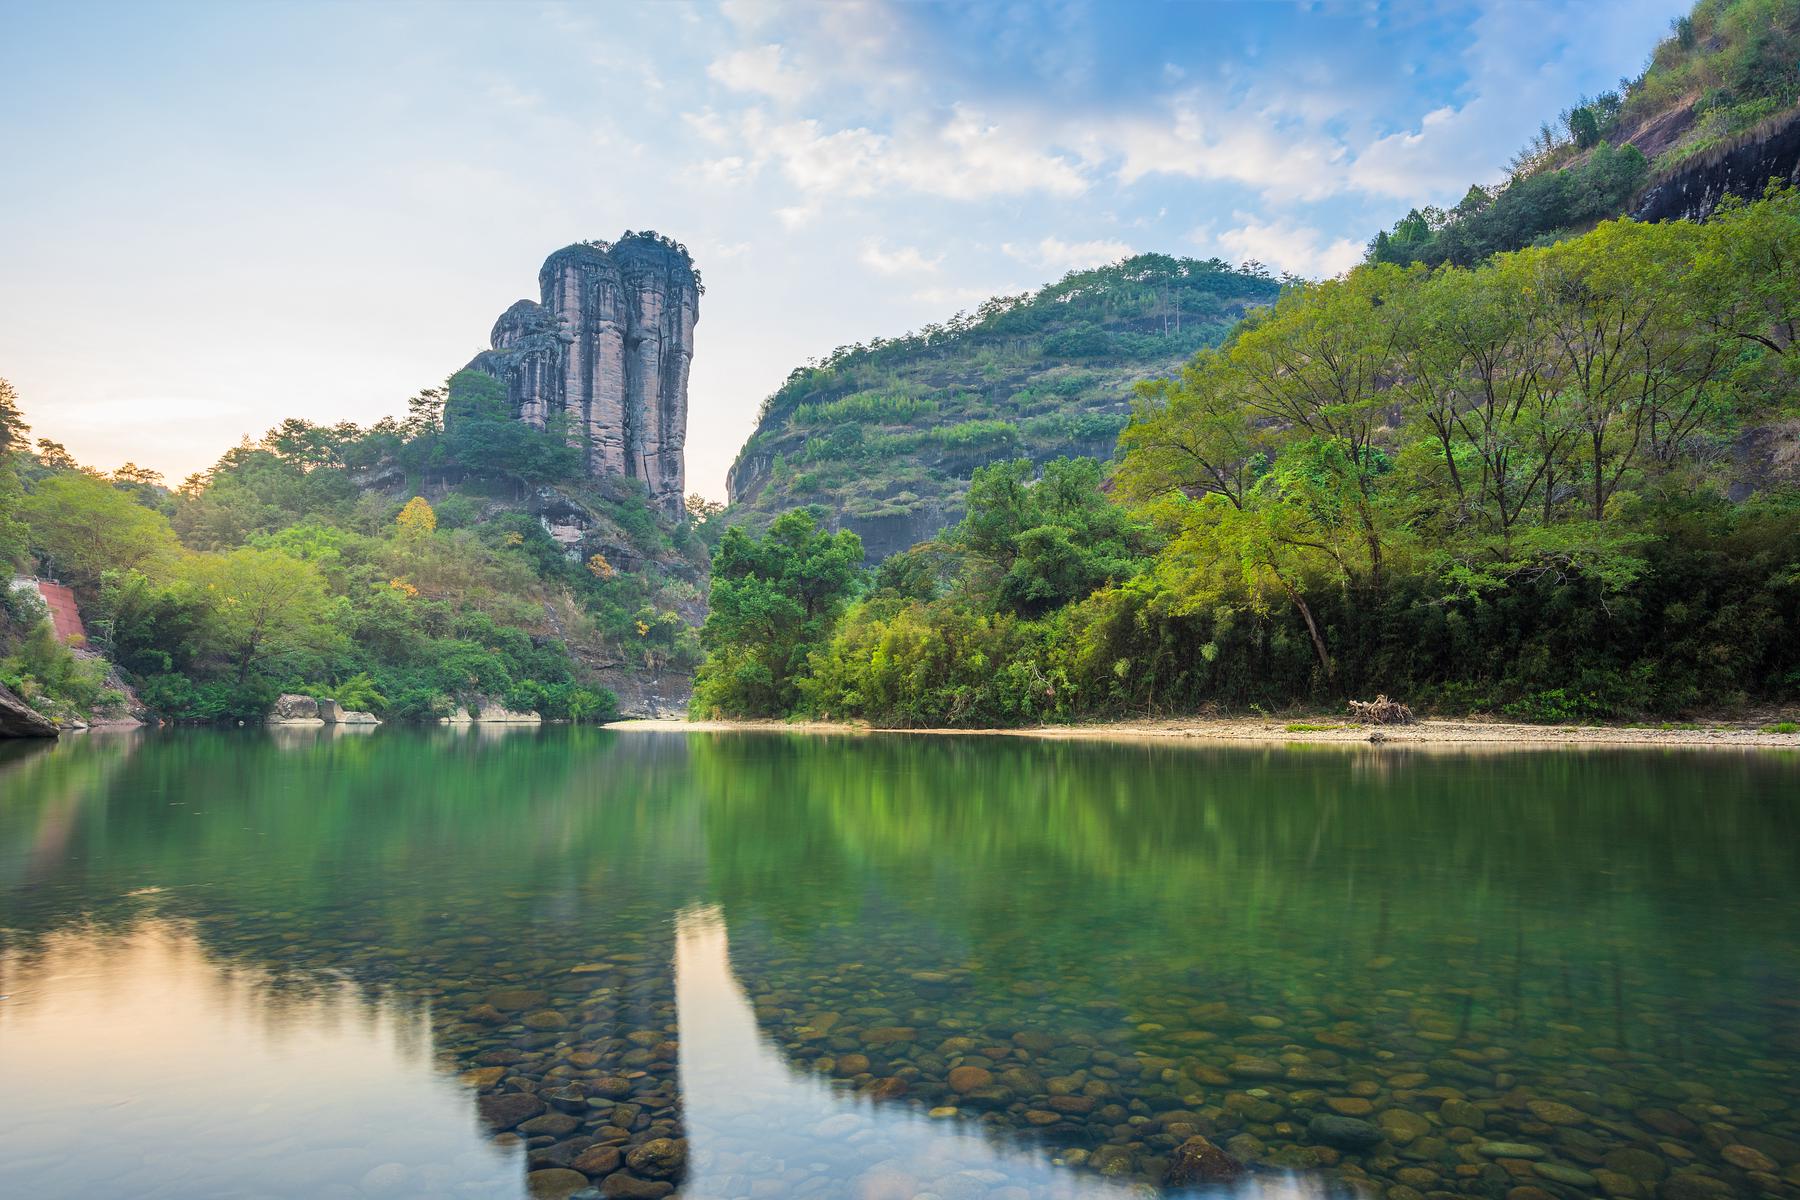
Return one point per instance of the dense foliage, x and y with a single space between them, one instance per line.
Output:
892 429
1727 68
774 599
1501 488
399 568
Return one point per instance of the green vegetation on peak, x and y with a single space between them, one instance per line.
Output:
1728 72
405 567
884 437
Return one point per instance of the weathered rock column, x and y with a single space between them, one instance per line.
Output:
610 345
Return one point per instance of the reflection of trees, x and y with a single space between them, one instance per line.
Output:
1092 890
1094 893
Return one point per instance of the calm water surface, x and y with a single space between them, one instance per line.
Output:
407 963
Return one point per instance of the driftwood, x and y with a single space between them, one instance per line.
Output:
1381 711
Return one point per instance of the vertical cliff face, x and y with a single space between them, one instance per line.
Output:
1742 167
608 345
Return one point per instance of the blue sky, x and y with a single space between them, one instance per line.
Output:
216 216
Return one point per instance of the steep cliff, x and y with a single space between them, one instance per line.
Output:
1741 167
605 351
884 437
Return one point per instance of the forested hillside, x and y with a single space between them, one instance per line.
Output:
1519 488
456 557
1728 76
885 436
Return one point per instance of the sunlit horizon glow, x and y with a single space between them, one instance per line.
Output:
222 216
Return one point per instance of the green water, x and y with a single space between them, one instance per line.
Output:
406 963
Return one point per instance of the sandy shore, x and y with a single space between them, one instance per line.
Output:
1315 729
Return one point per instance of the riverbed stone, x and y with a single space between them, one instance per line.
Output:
1637 1163
553 1124
507 1109
1748 1158
1616 1184
554 1183
1552 1112
1509 1150
1198 1161
1345 1133
598 1160
620 1186
1563 1173
969 1079
1402 1126
1461 1112
1692 1185
658 1158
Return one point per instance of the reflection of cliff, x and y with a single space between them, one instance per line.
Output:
608 346
519 889
217 1065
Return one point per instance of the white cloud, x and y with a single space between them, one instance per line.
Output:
722 172
797 216
963 156
760 69
1286 246
1054 254
1238 145
903 260
709 125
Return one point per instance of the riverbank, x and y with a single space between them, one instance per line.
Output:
1307 729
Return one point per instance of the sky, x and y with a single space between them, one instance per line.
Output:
217 216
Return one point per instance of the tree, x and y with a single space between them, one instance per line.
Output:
14 536
774 600
701 509
417 521
1035 545
56 456
1584 126
263 604
482 435
84 527
12 422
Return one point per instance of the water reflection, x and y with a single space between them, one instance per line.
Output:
136 1064
757 965
752 1117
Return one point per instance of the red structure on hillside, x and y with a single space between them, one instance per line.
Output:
65 617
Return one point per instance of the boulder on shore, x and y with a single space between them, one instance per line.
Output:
357 717
294 709
19 720
330 712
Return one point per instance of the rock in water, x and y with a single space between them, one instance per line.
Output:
608 344
18 719
1345 1133
659 1158
1199 1161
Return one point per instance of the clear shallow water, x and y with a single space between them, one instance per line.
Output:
435 963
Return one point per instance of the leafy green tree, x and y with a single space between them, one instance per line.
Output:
82 527
15 537
774 600
1033 545
261 605
482 435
